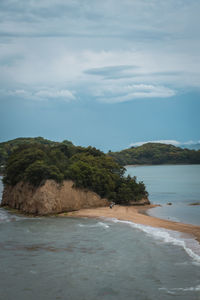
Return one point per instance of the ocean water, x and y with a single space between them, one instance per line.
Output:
177 184
48 258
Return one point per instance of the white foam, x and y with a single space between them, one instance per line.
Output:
3 217
104 225
167 290
187 289
6 217
196 289
98 224
190 245
33 272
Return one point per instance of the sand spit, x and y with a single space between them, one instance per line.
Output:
136 215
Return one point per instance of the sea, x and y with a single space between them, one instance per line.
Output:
49 258
177 185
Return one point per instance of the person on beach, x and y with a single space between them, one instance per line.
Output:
112 204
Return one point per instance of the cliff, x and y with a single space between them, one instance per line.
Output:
50 198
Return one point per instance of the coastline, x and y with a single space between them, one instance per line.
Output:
154 165
136 215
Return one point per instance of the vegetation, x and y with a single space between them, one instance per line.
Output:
6 148
151 153
156 153
88 167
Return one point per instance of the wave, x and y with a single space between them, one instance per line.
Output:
187 289
190 245
98 224
6 217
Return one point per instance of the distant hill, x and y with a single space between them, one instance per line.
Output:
156 153
191 146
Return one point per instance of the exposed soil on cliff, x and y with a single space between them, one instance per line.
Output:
50 198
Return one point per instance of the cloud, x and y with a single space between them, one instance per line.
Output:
168 142
43 94
110 51
111 72
138 19
123 93
190 143
63 94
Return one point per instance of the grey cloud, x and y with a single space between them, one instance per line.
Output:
117 72
114 18
10 60
78 44
112 71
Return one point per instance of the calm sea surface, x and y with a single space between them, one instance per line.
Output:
176 184
51 258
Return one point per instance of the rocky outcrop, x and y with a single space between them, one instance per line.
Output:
143 201
50 198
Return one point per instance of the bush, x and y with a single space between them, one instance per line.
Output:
38 172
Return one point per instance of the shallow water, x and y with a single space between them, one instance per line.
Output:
177 184
55 258
50 258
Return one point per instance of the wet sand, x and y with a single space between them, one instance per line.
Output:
136 215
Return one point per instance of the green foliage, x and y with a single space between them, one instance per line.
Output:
30 161
6 148
155 153
98 173
18 162
38 172
89 168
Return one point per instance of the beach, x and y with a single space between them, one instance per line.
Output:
136 214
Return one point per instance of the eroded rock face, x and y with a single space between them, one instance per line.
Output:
50 198
144 201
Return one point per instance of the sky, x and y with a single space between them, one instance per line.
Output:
107 73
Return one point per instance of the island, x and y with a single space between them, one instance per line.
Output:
156 154
49 178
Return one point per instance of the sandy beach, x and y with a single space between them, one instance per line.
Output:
136 215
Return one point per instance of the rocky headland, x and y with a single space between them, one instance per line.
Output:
49 179
50 198
53 198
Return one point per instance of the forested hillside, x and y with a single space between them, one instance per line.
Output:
88 167
6 148
155 153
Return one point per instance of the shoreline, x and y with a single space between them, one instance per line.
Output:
136 215
153 165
